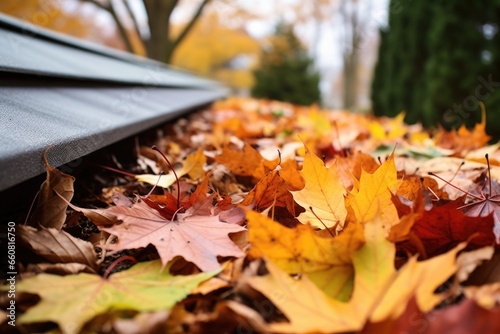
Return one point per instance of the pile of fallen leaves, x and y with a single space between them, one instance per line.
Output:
260 216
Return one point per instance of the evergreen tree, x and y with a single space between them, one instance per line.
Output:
434 56
285 71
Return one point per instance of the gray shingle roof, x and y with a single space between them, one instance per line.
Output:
76 97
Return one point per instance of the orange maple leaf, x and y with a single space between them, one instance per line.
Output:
248 162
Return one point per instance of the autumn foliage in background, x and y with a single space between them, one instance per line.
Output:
277 219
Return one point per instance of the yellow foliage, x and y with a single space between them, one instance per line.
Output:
209 48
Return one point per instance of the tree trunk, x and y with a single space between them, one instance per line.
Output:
161 44
350 80
159 12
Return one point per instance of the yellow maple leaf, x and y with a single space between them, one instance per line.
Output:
192 166
380 291
323 194
374 194
388 129
301 250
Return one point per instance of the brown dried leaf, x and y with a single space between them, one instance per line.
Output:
60 269
58 246
50 210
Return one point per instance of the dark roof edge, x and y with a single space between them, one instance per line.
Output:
24 27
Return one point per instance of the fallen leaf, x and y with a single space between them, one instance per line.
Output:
380 292
71 301
463 318
61 269
58 246
323 194
248 162
291 175
467 262
463 140
443 227
386 130
375 193
192 166
269 192
486 296
299 250
307 308
50 210
198 239
484 205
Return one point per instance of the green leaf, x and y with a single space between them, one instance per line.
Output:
71 301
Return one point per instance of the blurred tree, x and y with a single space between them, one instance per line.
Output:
285 72
217 51
355 17
161 42
437 60
73 18
47 14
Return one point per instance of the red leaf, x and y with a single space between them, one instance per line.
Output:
443 227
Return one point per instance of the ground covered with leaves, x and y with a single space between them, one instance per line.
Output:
263 217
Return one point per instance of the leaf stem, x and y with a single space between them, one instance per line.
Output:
489 172
175 174
315 215
454 186
113 264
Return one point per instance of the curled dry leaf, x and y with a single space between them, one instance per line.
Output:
50 210
60 269
58 246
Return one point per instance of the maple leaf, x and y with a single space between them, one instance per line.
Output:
192 166
248 162
72 300
463 140
168 205
290 174
483 204
323 194
301 250
198 239
374 194
268 192
387 130
443 227
380 292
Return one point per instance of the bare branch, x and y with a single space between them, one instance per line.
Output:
121 28
99 4
188 27
134 19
